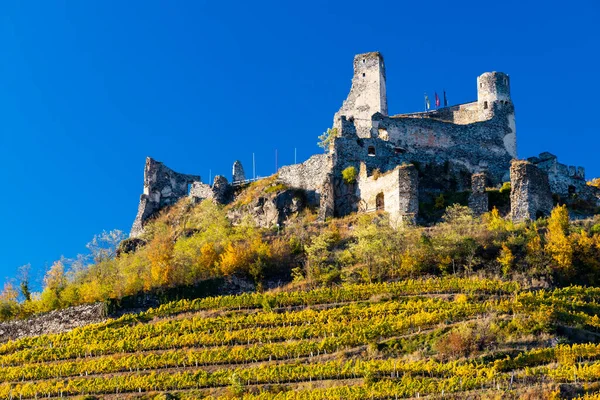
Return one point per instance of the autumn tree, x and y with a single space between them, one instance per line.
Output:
557 241
9 306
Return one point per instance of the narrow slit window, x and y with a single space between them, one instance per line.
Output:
485 105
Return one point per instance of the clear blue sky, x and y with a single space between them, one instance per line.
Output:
88 89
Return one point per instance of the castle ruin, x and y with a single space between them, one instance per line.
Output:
401 160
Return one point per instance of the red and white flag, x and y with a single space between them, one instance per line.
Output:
437 100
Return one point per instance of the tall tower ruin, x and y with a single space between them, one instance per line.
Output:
367 95
493 99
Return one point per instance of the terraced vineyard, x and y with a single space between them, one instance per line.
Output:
448 337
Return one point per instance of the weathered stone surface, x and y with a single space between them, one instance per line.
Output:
564 180
309 176
162 187
478 200
272 209
530 195
327 203
238 174
222 192
201 191
57 321
396 192
367 95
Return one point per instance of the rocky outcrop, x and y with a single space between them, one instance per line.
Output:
272 209
57 321
222 192
162 187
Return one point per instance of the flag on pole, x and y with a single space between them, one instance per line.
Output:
437 100
445 99
427 105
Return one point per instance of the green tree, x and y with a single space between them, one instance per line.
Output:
326 138
23 277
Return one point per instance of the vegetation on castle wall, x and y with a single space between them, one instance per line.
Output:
326 138
349 175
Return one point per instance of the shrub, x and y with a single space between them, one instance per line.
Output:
505 187
349 175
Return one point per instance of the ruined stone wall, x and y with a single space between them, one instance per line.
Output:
395 192
478 200
201 191
368 93
56 321
461 114
564 180
309 176
162 187
477 146
530 195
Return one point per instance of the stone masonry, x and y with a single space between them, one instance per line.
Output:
478 200
395 192
530 195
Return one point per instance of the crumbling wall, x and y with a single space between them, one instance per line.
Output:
530 195
460 114
201 191
564 180
476 146
395 192
162 187
478 200
57 321
309 176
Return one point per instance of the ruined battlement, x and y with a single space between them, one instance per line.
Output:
402 159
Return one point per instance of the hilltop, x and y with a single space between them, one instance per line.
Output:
416 257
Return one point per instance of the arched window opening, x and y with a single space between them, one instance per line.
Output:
379 203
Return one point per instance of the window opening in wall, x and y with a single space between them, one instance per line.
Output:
363 60
371 151
379 203
363 74
399 150
481 85
485 105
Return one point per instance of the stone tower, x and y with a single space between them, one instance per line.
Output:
367 95
493 98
